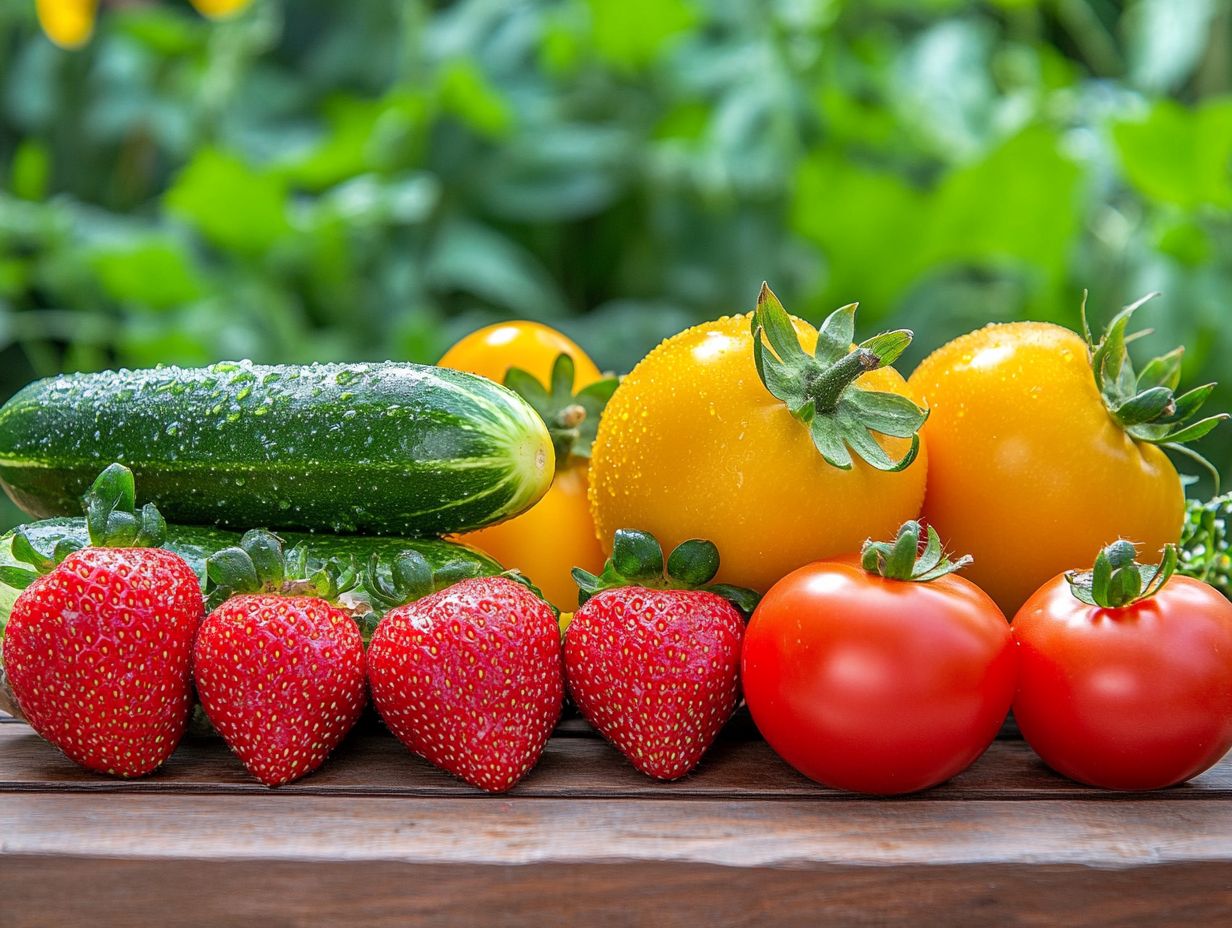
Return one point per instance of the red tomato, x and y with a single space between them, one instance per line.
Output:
1138 697
877 685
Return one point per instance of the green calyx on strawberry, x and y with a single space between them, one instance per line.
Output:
637 559
258 564
112 519
279 665
97 650
468 676
652 656
409 576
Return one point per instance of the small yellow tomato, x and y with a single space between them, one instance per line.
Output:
532 346
219 9
1029 470
694 445
68 23
556 534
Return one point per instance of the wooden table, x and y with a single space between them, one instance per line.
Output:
380 838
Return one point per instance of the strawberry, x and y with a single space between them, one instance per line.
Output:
469 678
97 651
652 661
280 672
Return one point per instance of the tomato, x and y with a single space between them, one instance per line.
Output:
875 684
1134 697
1029 470
532 346
693 445
557 533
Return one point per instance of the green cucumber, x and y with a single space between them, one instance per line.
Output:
397 449
195 543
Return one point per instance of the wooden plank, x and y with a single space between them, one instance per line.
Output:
375 764
1105 833
41 892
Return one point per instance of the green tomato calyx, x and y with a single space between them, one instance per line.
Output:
637 560
1146 404
820 389
1118 580
112 519
572 418
258 564
901 559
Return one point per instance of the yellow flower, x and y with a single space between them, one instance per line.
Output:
70 23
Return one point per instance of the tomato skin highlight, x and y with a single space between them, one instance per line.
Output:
693 445
1028 472
1133 698
874 685
557 533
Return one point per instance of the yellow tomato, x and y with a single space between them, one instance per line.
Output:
556 534
68 23
1028 471
218 9
693 445
532 346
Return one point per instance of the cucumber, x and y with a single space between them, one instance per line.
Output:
397 449
195 543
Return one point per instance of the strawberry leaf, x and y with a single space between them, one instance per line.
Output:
637 560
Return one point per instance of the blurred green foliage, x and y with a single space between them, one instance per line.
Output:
370 179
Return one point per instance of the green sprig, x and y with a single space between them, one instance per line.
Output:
821 391
637 560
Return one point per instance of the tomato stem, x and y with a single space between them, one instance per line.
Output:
901 559
826 388
1117 580
820 388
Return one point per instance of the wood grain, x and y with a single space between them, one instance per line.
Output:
1105 833
375 764
378 838
71 891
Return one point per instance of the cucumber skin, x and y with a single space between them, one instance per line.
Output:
399 449
195 543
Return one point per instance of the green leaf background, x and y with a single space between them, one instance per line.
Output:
317 180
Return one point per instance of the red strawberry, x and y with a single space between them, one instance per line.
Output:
656 670
282 679
280 675
97 653
469 678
